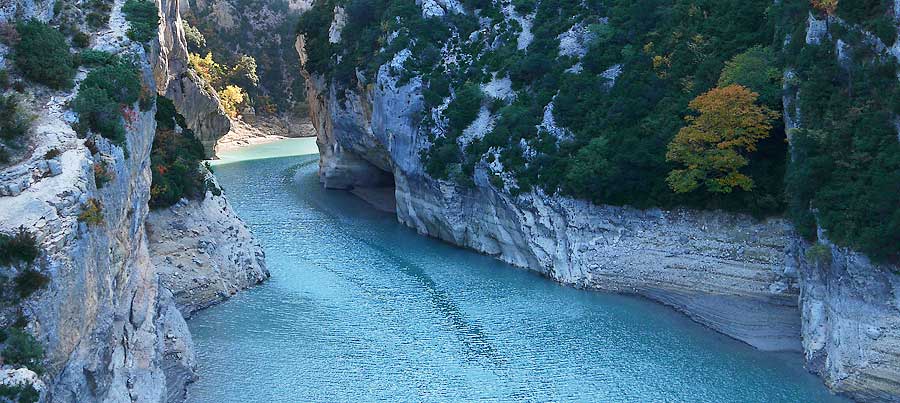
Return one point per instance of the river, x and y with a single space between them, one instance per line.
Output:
361 308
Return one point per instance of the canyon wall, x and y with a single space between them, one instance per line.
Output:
110 321
754 280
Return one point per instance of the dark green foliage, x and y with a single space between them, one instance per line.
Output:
22 349
29 281
19 248
20 394
94 58
42 55
464 108
120 80
81 40
14 122
104 94
175 160
846 160
757 70
99 113
873 15
98 13
143 16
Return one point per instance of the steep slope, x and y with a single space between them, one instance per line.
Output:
102 318
107 320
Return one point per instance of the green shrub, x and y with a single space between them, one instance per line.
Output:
99 113
104 94
119 79
81 40
20 247
20 394
175 160
463 110
94 58
42 54
14 121
845 165
143 16
22 349
29 281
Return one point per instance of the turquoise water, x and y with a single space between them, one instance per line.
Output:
360 308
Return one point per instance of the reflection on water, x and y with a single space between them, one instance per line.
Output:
360 308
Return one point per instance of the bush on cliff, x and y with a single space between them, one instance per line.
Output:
143 16
14 121
42 55
105 94
19 248
174 159
22 349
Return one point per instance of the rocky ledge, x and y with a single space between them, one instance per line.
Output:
203 252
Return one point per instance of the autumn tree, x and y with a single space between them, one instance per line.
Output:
715 145
827 6
232 97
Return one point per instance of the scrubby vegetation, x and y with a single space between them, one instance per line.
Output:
845 172
18 248
228 82
15 123
42 54
22 349
20 394
175 159
107 94
143 18
635 121
91 212
21 250
269 42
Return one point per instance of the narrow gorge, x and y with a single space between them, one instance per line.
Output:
541 135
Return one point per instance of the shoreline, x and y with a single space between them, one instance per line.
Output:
244 134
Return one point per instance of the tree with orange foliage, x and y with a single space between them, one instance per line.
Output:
828 6
714 146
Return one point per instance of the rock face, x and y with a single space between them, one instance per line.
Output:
196 101
203 252
98 317
851 323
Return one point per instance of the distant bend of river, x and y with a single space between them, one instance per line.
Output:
361 308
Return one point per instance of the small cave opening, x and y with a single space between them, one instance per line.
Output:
374 184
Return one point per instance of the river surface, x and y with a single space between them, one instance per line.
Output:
360 308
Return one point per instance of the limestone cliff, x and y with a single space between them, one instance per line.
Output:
99 318
849 304
727 271
108 322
